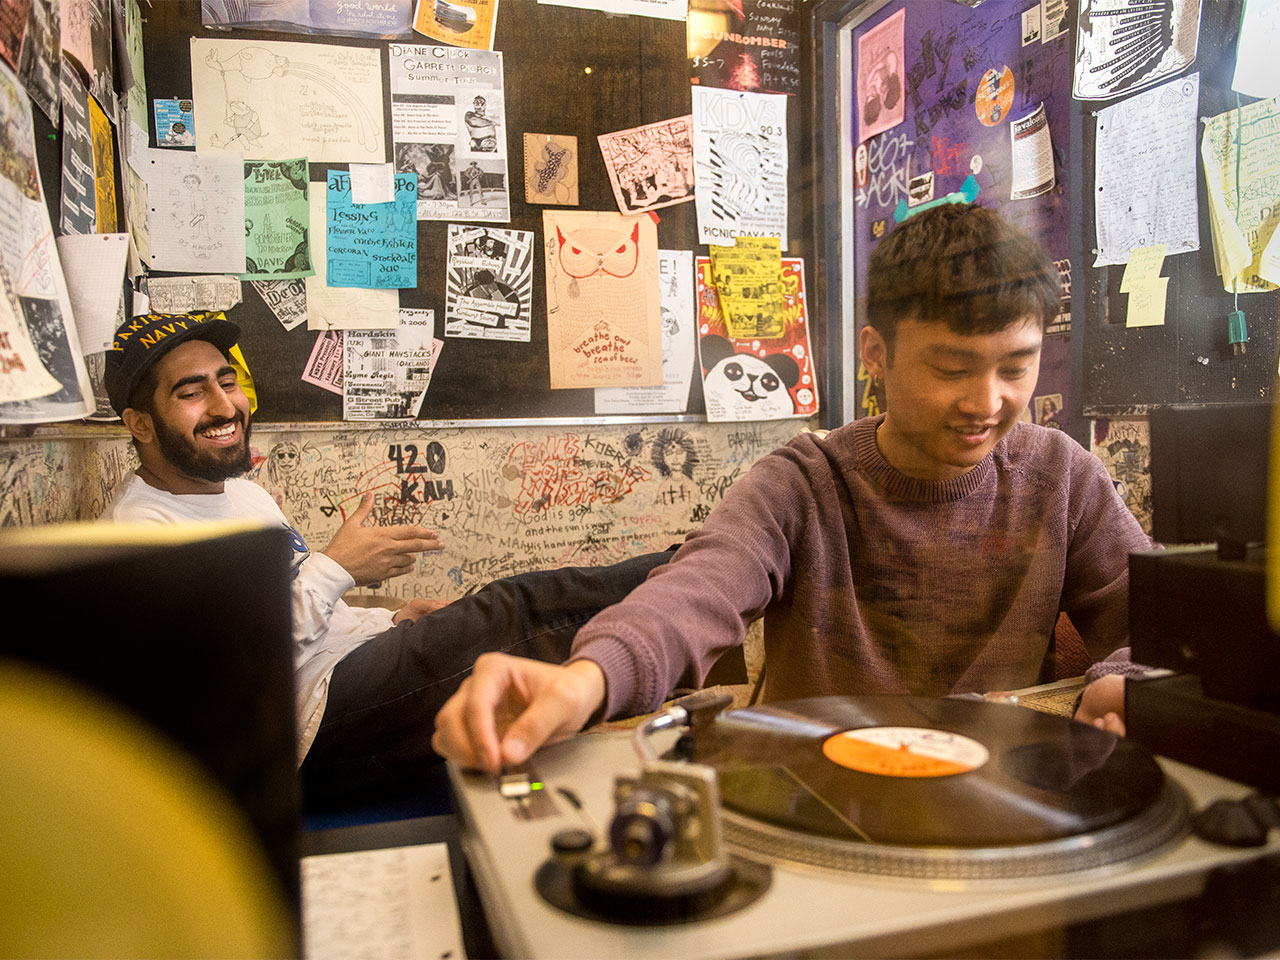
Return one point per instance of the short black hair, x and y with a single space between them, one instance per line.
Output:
963 266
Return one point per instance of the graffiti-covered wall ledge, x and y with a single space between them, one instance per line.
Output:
98 431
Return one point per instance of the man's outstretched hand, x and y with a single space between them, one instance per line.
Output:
375 553
510 706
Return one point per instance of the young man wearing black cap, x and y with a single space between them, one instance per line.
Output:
369 682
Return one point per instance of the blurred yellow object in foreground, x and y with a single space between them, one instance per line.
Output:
114 844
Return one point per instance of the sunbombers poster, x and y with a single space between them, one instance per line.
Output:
448 121
756 379
1123 46
489 284
273 100
604 326
740 164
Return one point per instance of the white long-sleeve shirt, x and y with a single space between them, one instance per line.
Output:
324 628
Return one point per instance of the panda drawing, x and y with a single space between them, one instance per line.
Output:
742 386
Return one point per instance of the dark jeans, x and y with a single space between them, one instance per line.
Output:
374 740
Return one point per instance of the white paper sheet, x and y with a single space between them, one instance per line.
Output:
663 9
1256 74
679 345
1123 46
196 211
1146 172
272 100
395 903
373 182
343 308
740 163
93 264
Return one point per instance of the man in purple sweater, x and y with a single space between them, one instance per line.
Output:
927 551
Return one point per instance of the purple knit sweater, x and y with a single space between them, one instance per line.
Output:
907 586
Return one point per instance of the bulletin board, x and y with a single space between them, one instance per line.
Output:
933 118
566 71
1188 359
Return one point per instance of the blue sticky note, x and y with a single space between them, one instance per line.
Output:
372 245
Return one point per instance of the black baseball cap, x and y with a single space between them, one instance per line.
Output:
140 342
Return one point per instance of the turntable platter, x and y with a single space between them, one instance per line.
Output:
940 786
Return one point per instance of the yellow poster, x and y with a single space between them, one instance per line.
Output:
462 23
748 278
104 168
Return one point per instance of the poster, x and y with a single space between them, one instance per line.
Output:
748 281
448 120
325 365
460 23
104 168
22 374
650 166
881 95
14 16
740 163
604 323
1123 46
175 123
286 299
41 59
272 100
489 283
679 345
1031 150
385 19
190 294
373 245
79 191
1246 242
29 259
387 372
276 219
745 45
551 169
197 211
93 265
756 379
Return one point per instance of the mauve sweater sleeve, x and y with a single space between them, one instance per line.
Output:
671 629
1095 592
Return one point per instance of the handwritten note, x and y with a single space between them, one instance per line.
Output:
1146 172
1146 303
395 903
1144 266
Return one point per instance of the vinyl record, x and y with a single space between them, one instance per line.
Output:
925 772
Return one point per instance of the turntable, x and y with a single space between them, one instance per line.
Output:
869 825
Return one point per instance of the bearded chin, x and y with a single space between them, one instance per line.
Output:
212 466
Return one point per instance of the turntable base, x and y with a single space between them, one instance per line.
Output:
807 909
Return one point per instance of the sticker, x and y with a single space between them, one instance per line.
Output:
920 189
905 752
995 96
878 228
975 164
860 165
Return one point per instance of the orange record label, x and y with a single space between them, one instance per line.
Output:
905 751
994 96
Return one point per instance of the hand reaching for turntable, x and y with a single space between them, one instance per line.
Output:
1102 704
510 706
